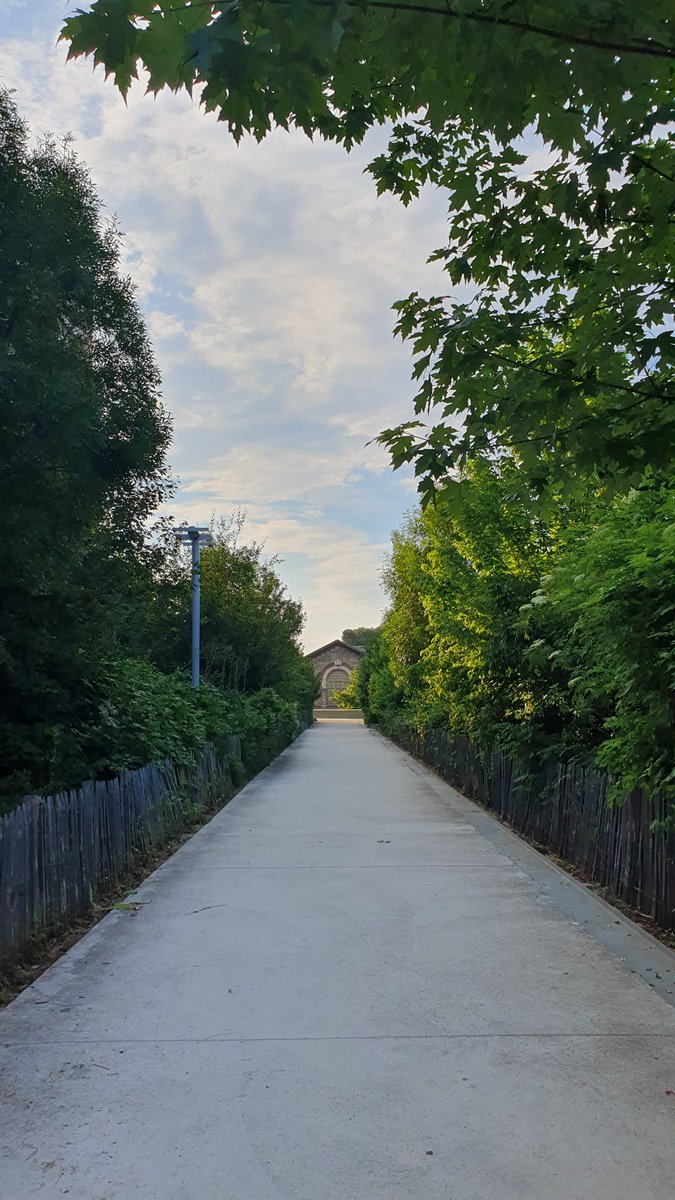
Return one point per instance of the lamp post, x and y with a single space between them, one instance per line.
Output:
196 536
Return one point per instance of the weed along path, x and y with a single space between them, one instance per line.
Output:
350 985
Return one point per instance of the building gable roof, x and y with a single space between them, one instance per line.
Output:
338 642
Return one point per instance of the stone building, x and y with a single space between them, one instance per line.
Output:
333 664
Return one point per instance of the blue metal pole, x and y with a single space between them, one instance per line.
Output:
195 609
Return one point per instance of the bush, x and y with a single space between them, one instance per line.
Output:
146 716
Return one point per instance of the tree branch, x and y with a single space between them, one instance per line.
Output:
650 167
648 47
599 383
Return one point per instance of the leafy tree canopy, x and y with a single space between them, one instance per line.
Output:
546 123
251 625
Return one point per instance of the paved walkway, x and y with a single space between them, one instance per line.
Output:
351 985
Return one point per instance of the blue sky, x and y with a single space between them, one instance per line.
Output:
266 274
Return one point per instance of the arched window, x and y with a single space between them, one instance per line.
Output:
335 680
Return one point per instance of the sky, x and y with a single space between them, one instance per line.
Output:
266 275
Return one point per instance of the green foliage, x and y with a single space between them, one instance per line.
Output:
378 696
348 697
84 438
265 715
613 592
546 122
361 635
482 552
552 638
145 716
251 627
95 595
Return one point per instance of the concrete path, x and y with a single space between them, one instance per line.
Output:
350 985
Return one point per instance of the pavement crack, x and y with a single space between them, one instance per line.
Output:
206 907
216 1039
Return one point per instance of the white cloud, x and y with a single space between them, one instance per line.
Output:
164 326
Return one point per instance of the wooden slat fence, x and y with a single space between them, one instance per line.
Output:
58 852
565 808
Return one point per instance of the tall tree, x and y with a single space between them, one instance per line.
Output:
361 635
251 625
546 122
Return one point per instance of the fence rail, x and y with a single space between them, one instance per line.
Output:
565 808
57 853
